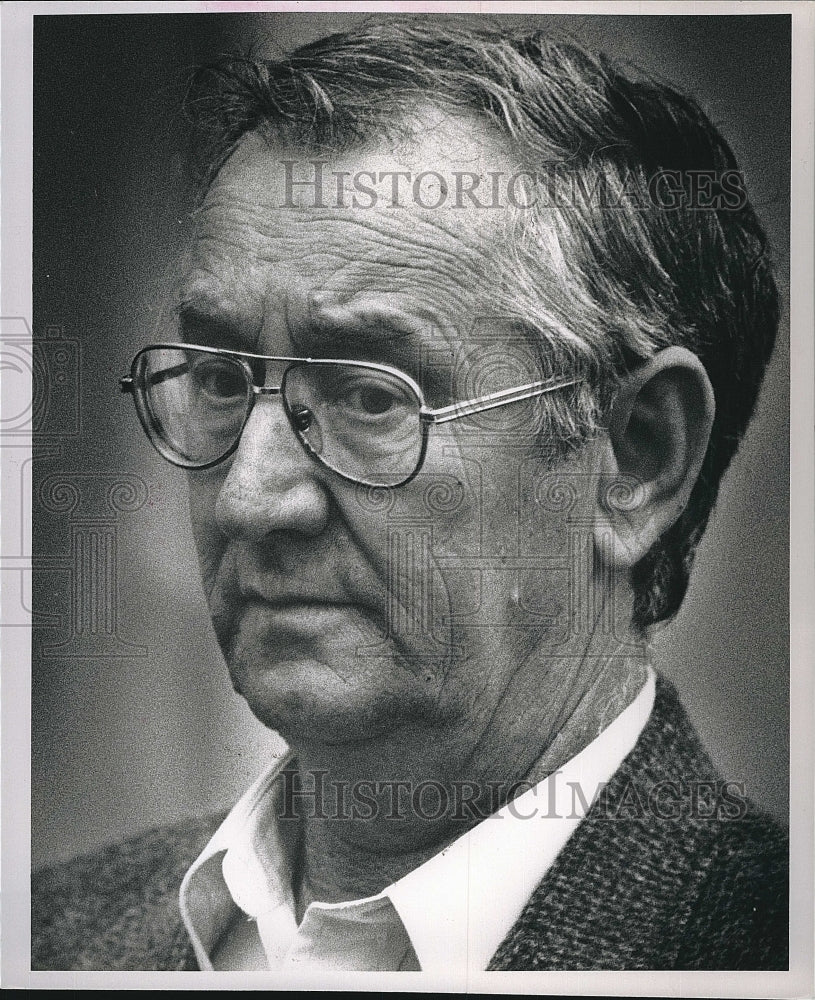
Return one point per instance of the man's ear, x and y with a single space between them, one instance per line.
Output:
657 438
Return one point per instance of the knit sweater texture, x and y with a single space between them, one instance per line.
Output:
670 869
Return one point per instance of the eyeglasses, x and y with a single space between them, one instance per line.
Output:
367 422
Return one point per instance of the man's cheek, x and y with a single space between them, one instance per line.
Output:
219 582
416 606
210 546
210 542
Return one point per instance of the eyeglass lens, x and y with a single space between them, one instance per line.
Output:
361 422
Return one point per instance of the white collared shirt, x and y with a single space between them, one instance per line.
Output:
451 913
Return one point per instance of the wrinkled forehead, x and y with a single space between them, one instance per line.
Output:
406 226
440 173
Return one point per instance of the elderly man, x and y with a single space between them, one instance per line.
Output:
468 333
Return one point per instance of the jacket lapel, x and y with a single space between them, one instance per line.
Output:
623 887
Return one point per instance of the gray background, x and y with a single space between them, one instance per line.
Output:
123 742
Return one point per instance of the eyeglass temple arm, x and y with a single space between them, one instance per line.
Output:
440 416
493 400
126 383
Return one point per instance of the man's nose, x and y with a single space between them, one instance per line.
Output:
272 484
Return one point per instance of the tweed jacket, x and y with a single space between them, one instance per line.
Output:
670 869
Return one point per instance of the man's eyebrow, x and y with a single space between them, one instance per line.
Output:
366 332
368 328
199 323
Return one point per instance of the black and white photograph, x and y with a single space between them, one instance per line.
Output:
398 565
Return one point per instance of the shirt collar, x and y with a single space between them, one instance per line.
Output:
205 901
460 904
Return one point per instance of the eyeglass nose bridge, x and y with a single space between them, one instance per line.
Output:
275 389
300 419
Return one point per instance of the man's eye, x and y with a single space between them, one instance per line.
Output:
363 401
220 381
375 400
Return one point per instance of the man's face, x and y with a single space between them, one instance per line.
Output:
345 613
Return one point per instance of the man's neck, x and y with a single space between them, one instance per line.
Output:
379 811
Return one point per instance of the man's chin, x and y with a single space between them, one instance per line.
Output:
325 672
308 700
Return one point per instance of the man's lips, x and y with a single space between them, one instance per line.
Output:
293 600
290 604
306 610
302 617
